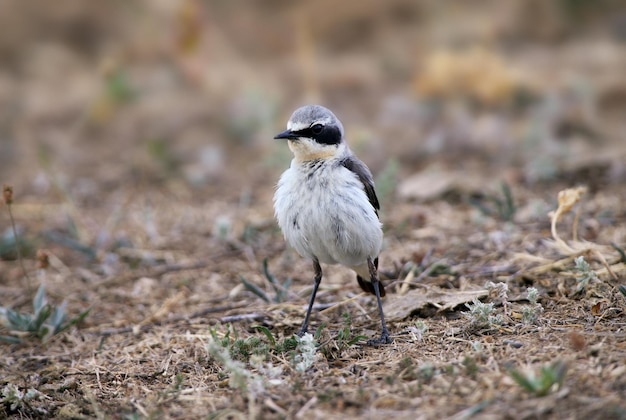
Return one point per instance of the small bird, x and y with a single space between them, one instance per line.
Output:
326 205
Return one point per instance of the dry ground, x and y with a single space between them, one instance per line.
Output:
149 185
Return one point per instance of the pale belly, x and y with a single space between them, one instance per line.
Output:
328 219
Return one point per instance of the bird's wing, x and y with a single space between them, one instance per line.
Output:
365 176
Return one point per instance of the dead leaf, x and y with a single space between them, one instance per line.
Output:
596 310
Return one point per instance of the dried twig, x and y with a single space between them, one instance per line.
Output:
7 195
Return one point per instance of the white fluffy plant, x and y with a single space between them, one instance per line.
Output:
305 352
242 378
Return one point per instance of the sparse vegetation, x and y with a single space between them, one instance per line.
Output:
585 275
481 315
548 379
531 313
45 321
305 352
501 207
344 340
18 401
280 290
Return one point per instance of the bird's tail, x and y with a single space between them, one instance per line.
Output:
367 285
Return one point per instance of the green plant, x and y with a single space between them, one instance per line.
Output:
471 367
18 400
620 251
481 314
550 378
585 274
117 87
492 205
252 376
345 338
239 377
286 345
530 313
280 290
241 349
46 320
249 348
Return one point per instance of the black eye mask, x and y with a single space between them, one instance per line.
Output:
321 134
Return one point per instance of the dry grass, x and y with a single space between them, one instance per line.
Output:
143 350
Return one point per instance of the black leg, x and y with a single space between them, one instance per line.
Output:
384 337
318 280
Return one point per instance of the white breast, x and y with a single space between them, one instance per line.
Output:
324 213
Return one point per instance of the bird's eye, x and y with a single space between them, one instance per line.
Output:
317 128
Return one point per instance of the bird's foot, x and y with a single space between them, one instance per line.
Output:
384 339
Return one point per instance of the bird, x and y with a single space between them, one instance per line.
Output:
326 205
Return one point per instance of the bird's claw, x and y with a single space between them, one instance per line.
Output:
384 339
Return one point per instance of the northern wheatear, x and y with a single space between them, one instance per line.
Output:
326 205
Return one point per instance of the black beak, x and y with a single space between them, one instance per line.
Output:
287 134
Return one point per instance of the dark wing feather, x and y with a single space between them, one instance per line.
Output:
365 176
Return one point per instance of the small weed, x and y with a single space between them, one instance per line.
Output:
427 372
161 152
500 207
254 350
178 382
305 352
530 313
499 291
13 244
43 323
481 315
280 290
585 275
418 330
471 367
117 87
239 377
254 380
407 371
222 228
620 251
244 349
16 400
287 345
550 378
345 338
328 395
241 349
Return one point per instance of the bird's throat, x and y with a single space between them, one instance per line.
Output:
305 151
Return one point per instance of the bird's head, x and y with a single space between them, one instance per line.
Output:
313 132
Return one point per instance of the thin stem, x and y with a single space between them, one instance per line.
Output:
17 249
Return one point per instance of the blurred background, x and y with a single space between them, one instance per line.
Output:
103 102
